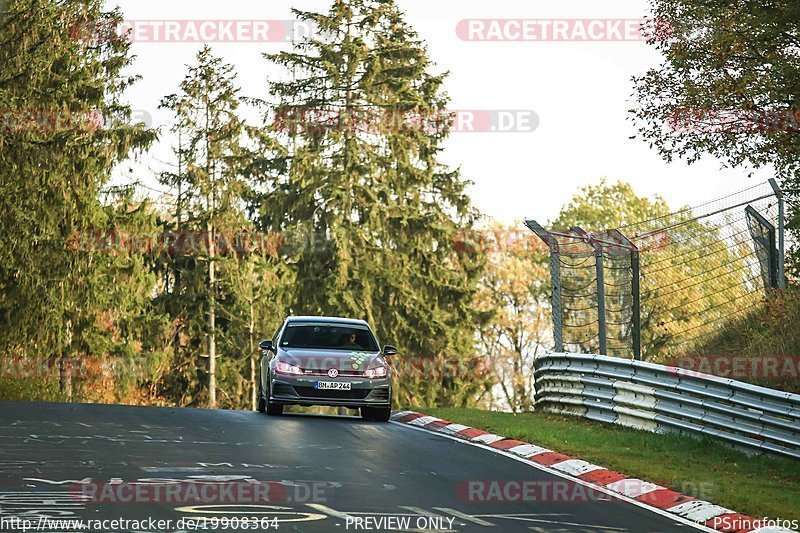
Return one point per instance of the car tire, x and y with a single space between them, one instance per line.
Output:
262 403
379 414
273 409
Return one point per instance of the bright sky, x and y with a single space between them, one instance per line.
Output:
579 91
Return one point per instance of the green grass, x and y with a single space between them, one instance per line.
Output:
770 330
30 390
759 486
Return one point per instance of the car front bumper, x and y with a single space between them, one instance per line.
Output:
299 390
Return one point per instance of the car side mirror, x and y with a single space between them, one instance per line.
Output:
266 345
389 350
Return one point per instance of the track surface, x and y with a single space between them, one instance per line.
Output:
330 466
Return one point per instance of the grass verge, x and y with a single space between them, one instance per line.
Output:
759 486
770 332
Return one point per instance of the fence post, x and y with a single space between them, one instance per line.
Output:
601 297
781 259
555 278
636 313
636 334
602 331
773 270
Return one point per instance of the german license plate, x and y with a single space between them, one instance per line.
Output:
332 385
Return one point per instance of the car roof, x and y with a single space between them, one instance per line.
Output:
338 319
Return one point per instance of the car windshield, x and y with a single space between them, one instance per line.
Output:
328 337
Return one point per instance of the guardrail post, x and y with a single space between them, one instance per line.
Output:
555 278
781 259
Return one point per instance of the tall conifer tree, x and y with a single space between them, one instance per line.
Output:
370 212
63 128
213 158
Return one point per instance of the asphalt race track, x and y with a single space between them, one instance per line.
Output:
101 462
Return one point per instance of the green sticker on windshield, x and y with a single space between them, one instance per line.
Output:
358 359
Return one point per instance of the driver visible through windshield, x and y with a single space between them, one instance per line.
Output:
328 337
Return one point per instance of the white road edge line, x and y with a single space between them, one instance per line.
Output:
464 516
328 511
543 468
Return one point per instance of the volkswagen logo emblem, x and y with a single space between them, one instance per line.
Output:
332 373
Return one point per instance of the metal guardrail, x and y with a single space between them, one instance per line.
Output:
669 399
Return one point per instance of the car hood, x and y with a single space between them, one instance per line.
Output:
345 361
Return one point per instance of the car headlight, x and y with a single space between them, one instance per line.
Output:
377 372
286 368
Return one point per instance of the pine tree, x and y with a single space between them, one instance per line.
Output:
211 188
369 212
130 334
257 290
63 129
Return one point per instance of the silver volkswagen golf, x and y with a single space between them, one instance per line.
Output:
326 361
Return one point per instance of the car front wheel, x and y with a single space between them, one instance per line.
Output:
379 414
262 404
273 409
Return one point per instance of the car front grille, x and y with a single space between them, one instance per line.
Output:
311 392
